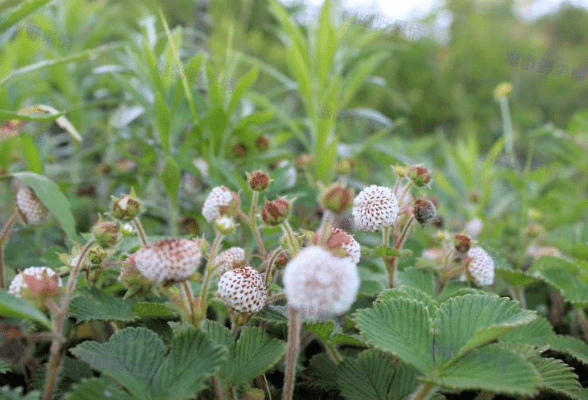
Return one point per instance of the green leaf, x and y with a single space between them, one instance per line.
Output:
193 358
517 279
241 87
401 327
58 61
146 309
48 192
162 121
12 306
367 377
408 292
96 388
9 393
455 289
570 345
257 118
131 357
19 12
572 289
4 366
322 329
98 305
470 321
31 154
324 371
538 333
417 278
556 376
255 353
170 177
490 368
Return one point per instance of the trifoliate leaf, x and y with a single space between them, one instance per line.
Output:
417 278
570 345
537 333
401 327
96 305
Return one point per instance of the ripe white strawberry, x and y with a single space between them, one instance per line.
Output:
36 284
167 260
29 207
374 208
229 259
480 266
243 289
220 201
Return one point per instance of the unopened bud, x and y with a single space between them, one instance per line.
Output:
462 243
224 225
96 255
424 210
438 222
281 260
128 230
262 143
337 198
239 150
106 234
400 170
533 230
276 211
126 207
405 254
344 165
474 197
258 181
419 175
303 161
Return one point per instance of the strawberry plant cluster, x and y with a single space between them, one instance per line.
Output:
209 238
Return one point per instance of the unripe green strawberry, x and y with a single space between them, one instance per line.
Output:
337 198
106 234
276 211
126 207
258 181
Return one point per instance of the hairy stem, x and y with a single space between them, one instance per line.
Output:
218 390
583 321
424 392
291 237
406 189
3 238
140 231
207 274
294 328
59 315
189 295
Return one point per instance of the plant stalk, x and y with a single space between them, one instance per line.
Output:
3 238
294 329
208 273
140 231
424 392
59 315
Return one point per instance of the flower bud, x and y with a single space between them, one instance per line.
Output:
281 260
96 255
534 214
128 230
224 225
344 165
303 160
258 181
474 197
126 207
262 143
462 243
106 233
400 170
239 150
438 222
419 175
337 198
424 210
503 89
533 230
276 211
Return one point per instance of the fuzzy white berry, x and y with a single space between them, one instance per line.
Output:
374 208
243 289
29 207
320 284
167 260
18 283
219 202
341 244
480 266
229 259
